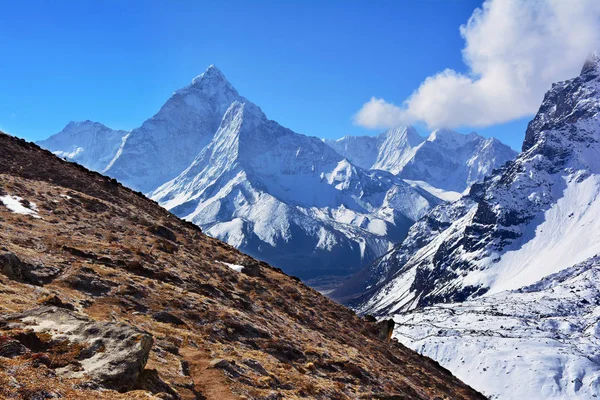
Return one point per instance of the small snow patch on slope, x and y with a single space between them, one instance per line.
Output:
446 195
235 267
18 206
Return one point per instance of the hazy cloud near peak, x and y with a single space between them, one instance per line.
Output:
514 50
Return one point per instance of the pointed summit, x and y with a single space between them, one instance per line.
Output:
87 124
565 105
405 134
452 137
592 64
211 83
212 74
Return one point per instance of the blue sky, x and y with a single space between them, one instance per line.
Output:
308 65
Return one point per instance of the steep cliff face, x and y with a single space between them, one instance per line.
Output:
96 279
534 217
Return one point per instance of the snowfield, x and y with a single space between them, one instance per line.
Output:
539 342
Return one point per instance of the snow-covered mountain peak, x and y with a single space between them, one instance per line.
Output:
211 76
447 161
405 134
87 142
281 195
452 138
566 123
80 124
211 84
169 141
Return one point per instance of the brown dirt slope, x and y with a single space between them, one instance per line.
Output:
112 255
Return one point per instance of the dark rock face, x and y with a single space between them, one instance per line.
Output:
10 348
15 269
150 380
560 106
252 270
167 318
163 232
386 328
56 301
228 367
89 282
256 366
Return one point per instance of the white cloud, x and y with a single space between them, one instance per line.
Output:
514 50
377 113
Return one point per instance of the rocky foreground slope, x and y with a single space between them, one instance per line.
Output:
104 294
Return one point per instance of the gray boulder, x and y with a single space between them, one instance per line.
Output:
113 355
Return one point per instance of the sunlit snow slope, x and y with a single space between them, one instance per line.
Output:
538 342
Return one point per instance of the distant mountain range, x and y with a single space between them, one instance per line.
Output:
446 160
316 208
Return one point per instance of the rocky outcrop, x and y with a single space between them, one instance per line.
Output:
110 354
252 270
163 232
167 318
15 269
10 348
386 328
